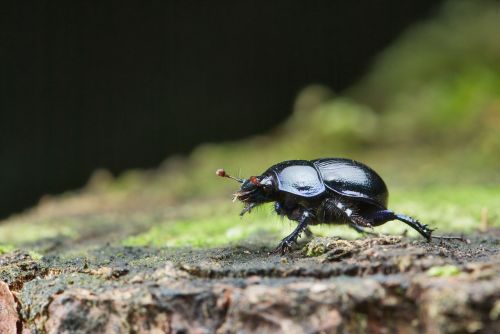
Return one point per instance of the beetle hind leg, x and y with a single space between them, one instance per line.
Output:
423 229
383 216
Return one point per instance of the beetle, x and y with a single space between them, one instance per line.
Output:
322 191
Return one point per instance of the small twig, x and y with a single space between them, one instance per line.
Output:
443 237
484 220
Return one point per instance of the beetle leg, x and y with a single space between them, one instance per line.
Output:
423 229
308 232
360 229
338 210
248 208
278 208
286 244
386 215
380 217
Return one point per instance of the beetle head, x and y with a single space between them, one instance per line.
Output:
254 191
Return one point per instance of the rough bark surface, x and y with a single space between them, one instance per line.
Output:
377 284
8 312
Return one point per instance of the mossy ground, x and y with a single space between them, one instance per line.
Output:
431 131
453 210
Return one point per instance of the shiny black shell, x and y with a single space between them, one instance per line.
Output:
342 176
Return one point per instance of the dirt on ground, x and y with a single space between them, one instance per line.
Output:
383 284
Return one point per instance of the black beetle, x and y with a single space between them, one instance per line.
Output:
331 190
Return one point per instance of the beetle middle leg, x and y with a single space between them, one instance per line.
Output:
308 232
287 242
342 211
362 230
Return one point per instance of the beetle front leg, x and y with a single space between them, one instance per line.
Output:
287 243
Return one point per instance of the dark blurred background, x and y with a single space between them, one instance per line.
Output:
119 85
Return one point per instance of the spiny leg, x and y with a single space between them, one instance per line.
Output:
286 244
350 213
340 210
380 217
383 216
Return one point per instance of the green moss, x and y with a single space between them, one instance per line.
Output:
495 311
462 37
35 255
314 248
449 209
444 271
36 230
5 248
208 231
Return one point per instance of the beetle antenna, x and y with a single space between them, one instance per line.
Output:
222 173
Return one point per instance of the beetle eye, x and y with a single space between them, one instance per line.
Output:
254 180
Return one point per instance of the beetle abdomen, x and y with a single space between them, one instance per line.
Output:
353 179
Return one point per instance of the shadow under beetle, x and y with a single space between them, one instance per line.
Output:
322 191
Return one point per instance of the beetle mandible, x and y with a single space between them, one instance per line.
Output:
329 190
